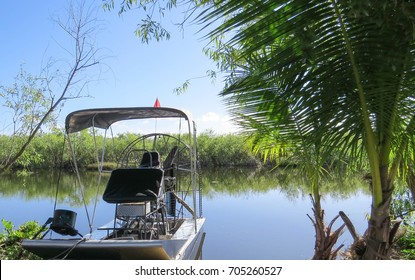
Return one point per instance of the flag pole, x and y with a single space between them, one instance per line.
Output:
156 105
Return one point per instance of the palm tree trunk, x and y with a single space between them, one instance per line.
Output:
410 180
325 237
380 234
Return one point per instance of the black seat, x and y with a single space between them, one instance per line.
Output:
150 159
133 185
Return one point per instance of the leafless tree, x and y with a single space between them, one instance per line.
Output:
34 101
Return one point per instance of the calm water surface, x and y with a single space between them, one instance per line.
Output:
249 214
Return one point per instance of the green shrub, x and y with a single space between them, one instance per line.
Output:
11 239
48 150
407 244
402 208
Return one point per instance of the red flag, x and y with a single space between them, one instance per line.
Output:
157 103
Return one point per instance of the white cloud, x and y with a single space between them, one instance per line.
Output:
219 124
211 117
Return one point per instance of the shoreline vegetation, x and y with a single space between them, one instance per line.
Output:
48 151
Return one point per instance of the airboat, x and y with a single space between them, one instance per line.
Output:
155 190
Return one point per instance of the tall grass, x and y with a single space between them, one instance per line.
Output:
49 150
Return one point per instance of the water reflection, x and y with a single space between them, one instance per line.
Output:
44 185
288 181
235 182
250 214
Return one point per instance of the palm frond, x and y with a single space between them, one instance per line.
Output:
295 53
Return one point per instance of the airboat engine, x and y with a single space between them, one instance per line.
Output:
63 222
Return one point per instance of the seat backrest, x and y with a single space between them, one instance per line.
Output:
150 159
171 157
133 185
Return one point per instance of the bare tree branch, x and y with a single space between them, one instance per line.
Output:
80 26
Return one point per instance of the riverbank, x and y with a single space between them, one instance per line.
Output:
48 150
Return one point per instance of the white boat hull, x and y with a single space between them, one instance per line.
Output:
184 244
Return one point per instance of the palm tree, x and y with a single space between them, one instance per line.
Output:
343 68
286 141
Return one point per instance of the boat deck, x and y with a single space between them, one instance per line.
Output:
184 244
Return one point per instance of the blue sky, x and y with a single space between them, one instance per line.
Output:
133 74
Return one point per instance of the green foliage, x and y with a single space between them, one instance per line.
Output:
181 89
11 238
406 244
224 150
49 150
403 206
325 74
32 101
27 100
151 13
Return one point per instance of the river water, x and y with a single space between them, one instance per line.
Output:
250 214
